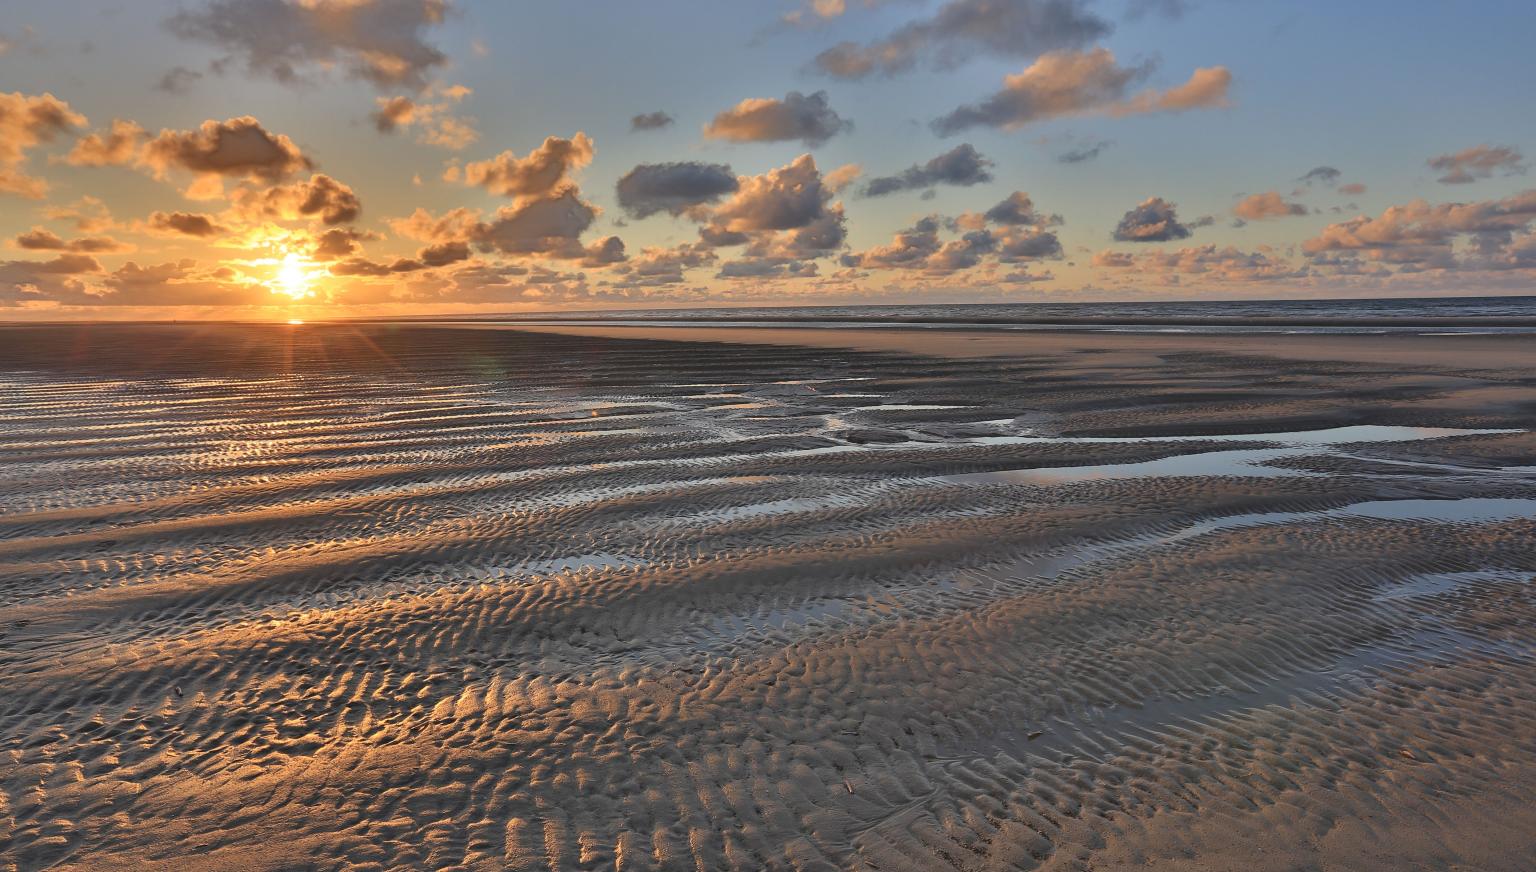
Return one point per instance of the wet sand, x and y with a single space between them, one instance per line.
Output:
381 596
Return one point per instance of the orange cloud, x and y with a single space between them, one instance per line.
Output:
1063 84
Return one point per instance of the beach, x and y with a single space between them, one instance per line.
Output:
541 596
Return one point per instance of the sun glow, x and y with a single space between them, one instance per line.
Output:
292 278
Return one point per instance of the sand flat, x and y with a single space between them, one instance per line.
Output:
384 596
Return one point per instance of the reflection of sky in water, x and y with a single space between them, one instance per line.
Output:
1240 462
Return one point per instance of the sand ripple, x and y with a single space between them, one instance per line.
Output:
380 598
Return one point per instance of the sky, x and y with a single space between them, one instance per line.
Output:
351 158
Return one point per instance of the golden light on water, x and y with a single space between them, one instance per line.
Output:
295 322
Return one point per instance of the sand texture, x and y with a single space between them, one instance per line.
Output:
395 597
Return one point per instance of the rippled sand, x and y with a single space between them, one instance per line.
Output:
407 597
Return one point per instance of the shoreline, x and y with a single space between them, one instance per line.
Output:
1491 352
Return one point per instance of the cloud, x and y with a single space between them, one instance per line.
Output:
27 40
842 177
783 215
78 280
651 121
25 122
1021 239
176 284
1353 189
393 113
178 80
919 248
116 148
542 174
549 227
433 119
1063 84
358 266
42 239
184 224
336 243
808 119
443 253
1328 176
1153 221
380 41
654 267
786 198
604 252
1261 207
674 188
45 280
1227 265
1022 244
1477 162
1018 209
320 196
237 148
457 225
1420 235
1083 153
89 214
962 165
767 268
962 29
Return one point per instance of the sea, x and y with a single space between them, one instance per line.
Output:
1458 315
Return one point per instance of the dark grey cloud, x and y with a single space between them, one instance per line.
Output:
1018 209
961 29
43 239
238 147
1155 220
380 41
1083 153
673 188
767 268
651 121
550 227
962 165
335 244
604 252
1326 176
34 280
443 253
807 118
184 224
1023 244
362 267
920 248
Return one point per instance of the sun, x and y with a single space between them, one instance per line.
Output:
292 278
